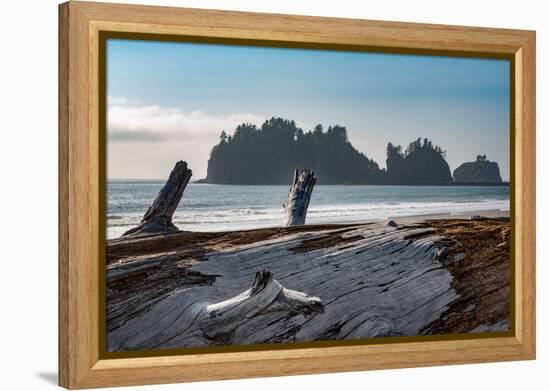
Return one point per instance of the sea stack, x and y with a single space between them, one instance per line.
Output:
480 171
422 163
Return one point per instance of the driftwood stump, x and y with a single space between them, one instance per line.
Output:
298 198
158 218
267 295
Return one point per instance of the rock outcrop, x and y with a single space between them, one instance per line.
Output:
480 171
421 164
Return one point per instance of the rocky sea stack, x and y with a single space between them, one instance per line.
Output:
422 163
480 171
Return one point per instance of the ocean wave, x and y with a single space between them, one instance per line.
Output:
247 218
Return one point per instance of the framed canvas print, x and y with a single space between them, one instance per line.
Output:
247 195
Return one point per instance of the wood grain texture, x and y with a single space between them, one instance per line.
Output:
298 198
63 179
525 140
311 283
158 217
81 364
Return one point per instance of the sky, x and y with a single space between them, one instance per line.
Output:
170 101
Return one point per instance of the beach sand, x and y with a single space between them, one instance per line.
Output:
493 214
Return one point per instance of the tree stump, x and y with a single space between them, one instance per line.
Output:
265 296
298 198
158 218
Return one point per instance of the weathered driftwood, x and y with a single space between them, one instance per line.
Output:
222 320
318 283
158 217
298 198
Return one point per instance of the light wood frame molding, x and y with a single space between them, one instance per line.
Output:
80 164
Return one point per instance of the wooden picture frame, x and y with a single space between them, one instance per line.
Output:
82 160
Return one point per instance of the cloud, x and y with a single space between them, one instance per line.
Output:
146 141
156 123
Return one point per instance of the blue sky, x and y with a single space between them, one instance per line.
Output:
170 101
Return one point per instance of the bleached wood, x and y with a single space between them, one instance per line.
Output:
221 320
158 217
297 202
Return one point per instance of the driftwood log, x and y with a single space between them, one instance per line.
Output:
295 207
221 321
158 218
307 283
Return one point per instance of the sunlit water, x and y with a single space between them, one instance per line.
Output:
230 207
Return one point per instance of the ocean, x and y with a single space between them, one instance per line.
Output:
207 207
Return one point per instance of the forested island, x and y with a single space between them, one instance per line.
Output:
268 154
